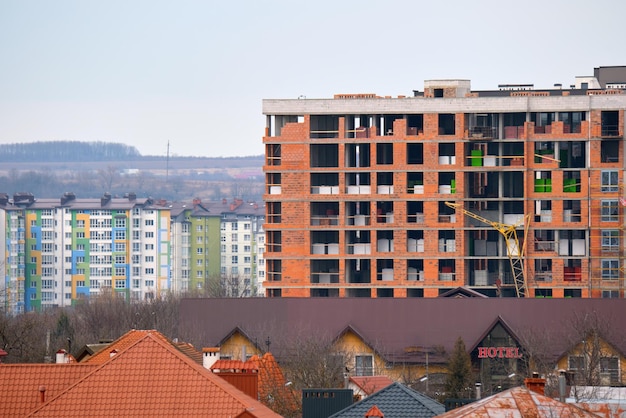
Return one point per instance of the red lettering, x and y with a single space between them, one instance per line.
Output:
482 352
492 352
517 353
501 352
509 352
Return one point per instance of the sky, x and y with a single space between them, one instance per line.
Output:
193 73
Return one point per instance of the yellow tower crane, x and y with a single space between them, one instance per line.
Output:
515 253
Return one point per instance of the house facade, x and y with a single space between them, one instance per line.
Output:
514 192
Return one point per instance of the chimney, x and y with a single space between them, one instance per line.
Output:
106 198
42 394
536 384
112 353
62 357
244 353
67 197
209 356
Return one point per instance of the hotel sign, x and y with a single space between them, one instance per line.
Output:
499 352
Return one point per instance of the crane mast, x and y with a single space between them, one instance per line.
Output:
514 252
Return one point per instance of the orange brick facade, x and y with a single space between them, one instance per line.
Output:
356 188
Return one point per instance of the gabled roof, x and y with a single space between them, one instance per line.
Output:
397 401
133 336
462 292
518 402
395 326
371 384
21 385
488 330
151 378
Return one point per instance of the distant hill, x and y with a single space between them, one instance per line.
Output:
60 151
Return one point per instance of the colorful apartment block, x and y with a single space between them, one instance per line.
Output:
514 192
58 251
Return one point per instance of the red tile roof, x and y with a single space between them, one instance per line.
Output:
151 378
236 365
371 384
20 384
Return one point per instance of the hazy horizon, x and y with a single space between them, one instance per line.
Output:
193 73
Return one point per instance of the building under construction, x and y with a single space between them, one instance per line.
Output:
513 192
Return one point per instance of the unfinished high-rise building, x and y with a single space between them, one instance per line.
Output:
511 192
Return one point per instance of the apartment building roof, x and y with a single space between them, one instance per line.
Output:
148 377
403 330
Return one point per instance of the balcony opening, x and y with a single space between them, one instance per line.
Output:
359 293
572 121
609 151
384 154
544 152
447 241
274 212
384 293
513 184
572 293
543 121
484 242
414 154
447 271
324 213
610 124
543 293
357 155
384 183
274 183
384 270
446 153
415 270
384 212
543 182
324 183
415 212
447 124
415 293
415 182
358 183
387 124
437 92
543 211
358 242
276 123
324 242
572 243
274 241
357 213
357 126
324 126
324 155
324 293
358 271
384 241
272 154
513 154
571 211
571 181
446 214
482 125
514 125
447 182
543 270
572 269
324 271
415 241
274 270
415 124
572 154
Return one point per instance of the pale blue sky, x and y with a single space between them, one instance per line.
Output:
194 72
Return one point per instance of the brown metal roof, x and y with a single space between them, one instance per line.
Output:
394 326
